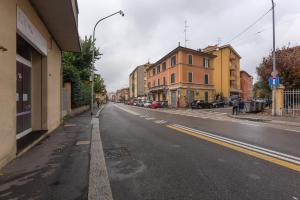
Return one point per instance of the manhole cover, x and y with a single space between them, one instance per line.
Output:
116 153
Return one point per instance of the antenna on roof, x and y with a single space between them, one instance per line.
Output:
185 30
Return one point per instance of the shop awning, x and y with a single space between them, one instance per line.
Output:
60 17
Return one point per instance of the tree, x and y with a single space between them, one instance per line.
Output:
77 68
83 61
261 90
287 65
99 86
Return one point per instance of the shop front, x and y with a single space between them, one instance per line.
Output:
30 72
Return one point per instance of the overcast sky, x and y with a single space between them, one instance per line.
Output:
152 28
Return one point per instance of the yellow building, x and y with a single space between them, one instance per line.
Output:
227 70
32 36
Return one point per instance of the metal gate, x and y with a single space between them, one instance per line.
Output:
291 102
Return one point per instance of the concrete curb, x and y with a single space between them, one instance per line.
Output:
249 118
99 186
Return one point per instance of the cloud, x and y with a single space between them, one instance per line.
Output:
150 29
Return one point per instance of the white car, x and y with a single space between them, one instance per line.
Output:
147 104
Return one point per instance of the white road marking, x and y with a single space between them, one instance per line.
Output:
150 118
126 110
249 124
276 154
160 121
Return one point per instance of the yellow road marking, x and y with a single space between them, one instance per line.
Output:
240 149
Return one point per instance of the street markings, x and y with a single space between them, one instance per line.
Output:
249 124
150 118
285 160
126 110
160 121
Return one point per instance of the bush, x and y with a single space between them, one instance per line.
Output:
81 94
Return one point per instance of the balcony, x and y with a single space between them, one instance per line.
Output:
158 88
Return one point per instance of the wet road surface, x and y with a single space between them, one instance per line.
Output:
154 155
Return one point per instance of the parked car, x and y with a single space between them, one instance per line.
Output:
140 103
164 104
155 104
197 104
147 104
218 104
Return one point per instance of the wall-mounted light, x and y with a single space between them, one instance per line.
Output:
2 48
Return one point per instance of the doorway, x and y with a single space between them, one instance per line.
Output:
23 97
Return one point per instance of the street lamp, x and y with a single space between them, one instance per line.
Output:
93 55
274 60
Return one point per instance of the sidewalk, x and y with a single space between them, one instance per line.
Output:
56 168
268 118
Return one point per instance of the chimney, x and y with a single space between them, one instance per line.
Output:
179 44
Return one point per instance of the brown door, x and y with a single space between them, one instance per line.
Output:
23 98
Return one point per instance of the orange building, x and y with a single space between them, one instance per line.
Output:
181 76
246 86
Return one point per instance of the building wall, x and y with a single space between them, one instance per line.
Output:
50 117
221 73
8 81
246 86
181 85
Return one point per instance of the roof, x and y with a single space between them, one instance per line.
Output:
180 48
242 71
61 19
210 49
144 65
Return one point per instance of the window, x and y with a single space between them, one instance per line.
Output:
164 81
149 85
190 59
173 61
164 66
158 69
206 96
206 62
154 83
158 82
190 77
153 71
206 79
173 78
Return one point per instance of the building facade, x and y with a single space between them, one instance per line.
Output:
35 33
137 80
227 70
122 95
246 86
181 76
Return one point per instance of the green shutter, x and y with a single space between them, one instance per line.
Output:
190 59
206 79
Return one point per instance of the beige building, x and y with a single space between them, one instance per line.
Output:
227 70
138 81
33 34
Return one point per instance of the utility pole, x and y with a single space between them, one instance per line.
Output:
274 60
93 56
185 30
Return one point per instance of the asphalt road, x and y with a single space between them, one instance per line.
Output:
154 155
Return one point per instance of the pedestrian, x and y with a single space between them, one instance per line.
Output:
235 107
241 106
98 103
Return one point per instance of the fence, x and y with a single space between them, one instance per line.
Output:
291 102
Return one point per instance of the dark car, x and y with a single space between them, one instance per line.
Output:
218 104
164 104
197 104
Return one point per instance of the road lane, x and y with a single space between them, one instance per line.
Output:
268 137
147 160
